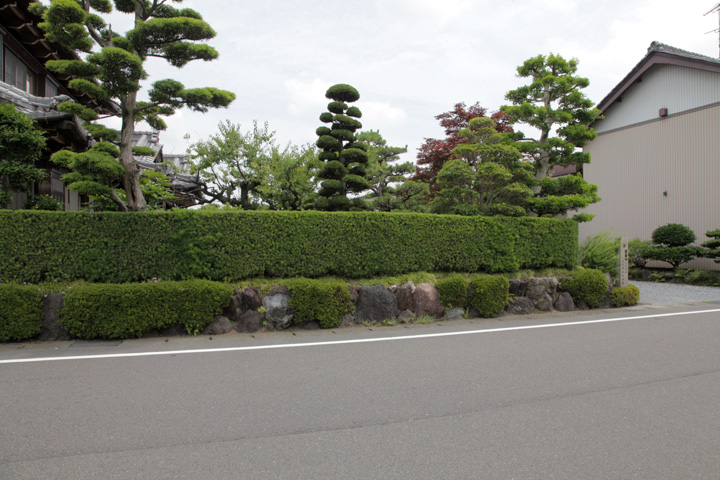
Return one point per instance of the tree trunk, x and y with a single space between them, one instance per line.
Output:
135 199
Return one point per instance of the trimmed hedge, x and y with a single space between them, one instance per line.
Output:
133 310
324 302
453 291
20 312
113 247
589 286
489 295
625 296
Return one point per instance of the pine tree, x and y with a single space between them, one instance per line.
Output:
112 69
345 168
553 104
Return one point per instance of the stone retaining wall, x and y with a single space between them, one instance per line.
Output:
249 312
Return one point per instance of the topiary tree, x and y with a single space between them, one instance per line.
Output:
672 245
345 157
554 104
21 145
113 67
712 245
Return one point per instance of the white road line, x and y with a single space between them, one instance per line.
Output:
345 342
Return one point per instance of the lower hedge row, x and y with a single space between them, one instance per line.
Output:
115 311
133 310
107 247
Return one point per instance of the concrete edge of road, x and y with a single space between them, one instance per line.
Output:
163 346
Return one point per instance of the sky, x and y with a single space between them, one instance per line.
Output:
409 59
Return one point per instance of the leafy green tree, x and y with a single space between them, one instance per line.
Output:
345 168
487 177
113 73
554 104
229 163
21 145
288 179
384 173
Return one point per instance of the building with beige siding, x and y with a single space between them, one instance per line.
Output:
656 159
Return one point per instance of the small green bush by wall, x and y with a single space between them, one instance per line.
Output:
133 310
20 312
588 285
489 295
453 291
625 296
315 300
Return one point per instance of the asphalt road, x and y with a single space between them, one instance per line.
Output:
633 398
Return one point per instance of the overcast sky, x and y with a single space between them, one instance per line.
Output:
411 59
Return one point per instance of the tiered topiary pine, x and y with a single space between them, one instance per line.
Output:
672 245
345 158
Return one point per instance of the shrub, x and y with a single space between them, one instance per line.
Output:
600 252
589 286
672 245
113 247
133 310
625 296
20 312
636 248
707 278
315 300
453 291
713 245
673 235
489 295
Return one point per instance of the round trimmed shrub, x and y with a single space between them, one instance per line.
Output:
354 112
673 235
588 285
350 155
20 312
327 156
453 291
330 187
356 183
341 134
326 117
489 295
329 143
337 107
333 170
343 93
625 296
323 131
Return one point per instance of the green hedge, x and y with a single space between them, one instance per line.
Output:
588 285
20 312
133 310
129 247
489 295
324 302
453 291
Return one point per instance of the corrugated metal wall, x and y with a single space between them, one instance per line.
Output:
635 166
664 86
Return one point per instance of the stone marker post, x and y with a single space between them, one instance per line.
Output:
623 260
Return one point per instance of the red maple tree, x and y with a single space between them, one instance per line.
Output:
433 154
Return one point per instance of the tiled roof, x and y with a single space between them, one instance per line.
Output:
659 53
661 47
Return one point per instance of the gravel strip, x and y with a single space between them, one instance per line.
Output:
673 293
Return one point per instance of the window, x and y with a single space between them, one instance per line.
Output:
18 74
